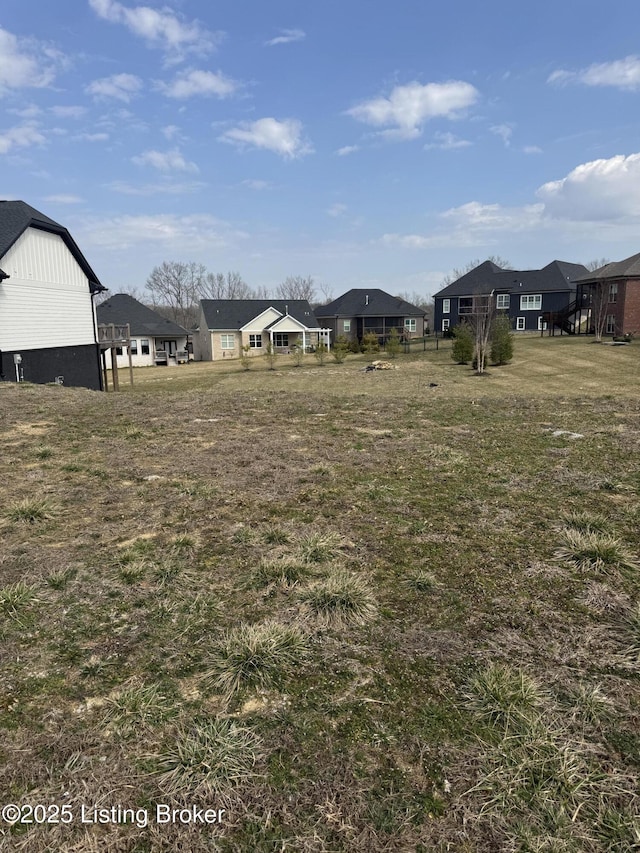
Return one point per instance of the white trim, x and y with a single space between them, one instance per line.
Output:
521 324
530 301
446 306
446 322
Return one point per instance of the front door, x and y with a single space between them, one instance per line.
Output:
169 347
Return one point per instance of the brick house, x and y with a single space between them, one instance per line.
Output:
619 284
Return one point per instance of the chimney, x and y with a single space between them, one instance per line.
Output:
366 299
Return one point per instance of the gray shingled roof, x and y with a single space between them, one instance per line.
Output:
236 313
558 275
121 309
629 268
17 216
354 303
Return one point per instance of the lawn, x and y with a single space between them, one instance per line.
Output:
386 611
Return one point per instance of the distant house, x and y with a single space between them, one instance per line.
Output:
228 325
619 284
532 299
363 311
47 318
154 339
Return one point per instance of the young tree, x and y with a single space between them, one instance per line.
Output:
501 340
462 349
481 321
245 358
370 343
271 355
340 349
297 353
321 353
392 346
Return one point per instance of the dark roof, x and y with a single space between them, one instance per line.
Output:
122 309
629 268
368 302
17 216
236 313
558 275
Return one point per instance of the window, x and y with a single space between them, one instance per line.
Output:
503 301
281 339
227 341
255 341
346 325
531 302
144 347
446 306
133 349
465 305
445 325
118 350
542 325
410 324
521 324
610 328
613 291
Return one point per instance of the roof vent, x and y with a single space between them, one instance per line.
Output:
366 299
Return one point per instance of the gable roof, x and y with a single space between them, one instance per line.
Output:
17 216
629 268
558 275
236 313
121 309
368 302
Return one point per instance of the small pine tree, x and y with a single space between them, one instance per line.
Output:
501 341
370 343
392 347
340 349
462 349
321 353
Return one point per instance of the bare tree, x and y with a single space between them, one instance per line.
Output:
297 287
175 286
221 286
598 298
326 292
481 319
596 263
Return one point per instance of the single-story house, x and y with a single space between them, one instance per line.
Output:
363 311
532 299
47 314
619 286
229 325
153 338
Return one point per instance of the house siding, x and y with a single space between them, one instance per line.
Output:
58 311
72 365
552 301
629 302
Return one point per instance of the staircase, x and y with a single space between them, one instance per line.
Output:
571 319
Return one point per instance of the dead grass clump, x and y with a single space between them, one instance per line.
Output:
506 697
320 547
282 573
591 551
16 598
255 656
30 510
341 598
586 522
209 759
421 581
135 708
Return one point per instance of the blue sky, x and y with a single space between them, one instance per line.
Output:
365 144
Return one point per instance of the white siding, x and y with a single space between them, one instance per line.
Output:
46 302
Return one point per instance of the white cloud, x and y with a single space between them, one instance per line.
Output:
347 149
532 149
166 188
26 63
122 87
22 136
257 184
281 137
601 190
447 142
93 137
171 131
165 161
504 131
621 74
160 28
408 107
194 82
286 37
337 210
64 199
68 112
168 230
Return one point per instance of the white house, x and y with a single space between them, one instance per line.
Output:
228 325
154 339
47 315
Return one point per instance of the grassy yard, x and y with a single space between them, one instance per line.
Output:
388 611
